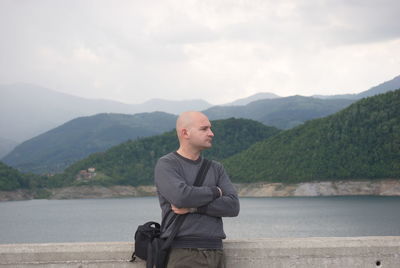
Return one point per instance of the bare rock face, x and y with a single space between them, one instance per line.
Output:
15 195
102 192
82 192
329 188
265 189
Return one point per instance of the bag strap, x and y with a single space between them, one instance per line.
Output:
201 175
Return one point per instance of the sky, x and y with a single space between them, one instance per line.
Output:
217 50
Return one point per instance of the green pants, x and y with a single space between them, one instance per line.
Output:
194 257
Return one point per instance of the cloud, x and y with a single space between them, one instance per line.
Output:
217 50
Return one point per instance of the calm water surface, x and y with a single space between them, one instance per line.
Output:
96 220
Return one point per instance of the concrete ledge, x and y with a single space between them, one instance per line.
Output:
271 252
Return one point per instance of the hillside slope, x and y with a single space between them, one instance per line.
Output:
360 142
132 162
56 149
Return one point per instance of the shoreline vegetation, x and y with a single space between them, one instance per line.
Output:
385 187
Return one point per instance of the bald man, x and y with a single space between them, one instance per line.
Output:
199 240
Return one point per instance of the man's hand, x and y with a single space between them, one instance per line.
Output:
181 211
220 191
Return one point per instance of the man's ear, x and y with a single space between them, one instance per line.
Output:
185 133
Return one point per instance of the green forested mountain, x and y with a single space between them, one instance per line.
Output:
359 142
56 149
132 163
283 113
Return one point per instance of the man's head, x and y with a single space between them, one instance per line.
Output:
194 131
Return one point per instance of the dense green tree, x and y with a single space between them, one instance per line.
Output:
12 179
133 162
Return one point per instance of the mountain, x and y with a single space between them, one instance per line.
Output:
379 89
255 97
28 110
341 96
283 113
288 112
132 162
56 149
171 106
359 142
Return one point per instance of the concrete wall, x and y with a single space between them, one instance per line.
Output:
272 252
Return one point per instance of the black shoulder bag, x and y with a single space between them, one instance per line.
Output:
148 244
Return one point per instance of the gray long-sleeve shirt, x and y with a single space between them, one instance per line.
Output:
174 178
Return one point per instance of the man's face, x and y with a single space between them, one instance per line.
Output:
200 134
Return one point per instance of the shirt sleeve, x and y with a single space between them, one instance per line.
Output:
228 204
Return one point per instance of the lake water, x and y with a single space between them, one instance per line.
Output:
97 220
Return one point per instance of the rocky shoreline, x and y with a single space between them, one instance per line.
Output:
388 187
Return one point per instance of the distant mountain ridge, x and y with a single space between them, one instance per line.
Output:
58 148
392 84
172 106
36 109
283 113
255 97
288 112
27 111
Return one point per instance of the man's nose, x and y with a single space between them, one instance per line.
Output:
210 133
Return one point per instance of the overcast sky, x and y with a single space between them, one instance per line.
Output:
216 50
